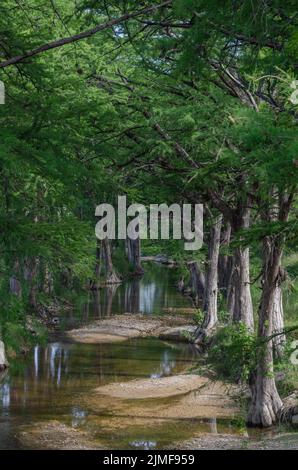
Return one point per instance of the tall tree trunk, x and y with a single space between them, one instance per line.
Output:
277 309
211 286
33 282
111 275
242 306
266 403
14 283
133 251
242 302
231 287
95 284
225 262
197 281
278 321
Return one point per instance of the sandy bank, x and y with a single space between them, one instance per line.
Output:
126 326
287 441
54 435
186 396
153 388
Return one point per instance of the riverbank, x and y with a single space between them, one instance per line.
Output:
286 441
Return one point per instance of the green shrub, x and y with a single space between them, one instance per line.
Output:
288 382
198 317
233 352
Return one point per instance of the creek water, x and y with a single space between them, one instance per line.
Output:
53 382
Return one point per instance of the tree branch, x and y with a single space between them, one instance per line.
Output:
84 34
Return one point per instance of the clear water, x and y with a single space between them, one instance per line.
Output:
150 295
56 382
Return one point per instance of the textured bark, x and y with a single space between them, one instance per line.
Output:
211 286
224 261
111 275
266 406
266 403
242 308
133 251
197 281
278 322
95 284
231 288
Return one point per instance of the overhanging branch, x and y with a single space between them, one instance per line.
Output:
83 35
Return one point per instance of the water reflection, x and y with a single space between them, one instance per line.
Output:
165 367
49 383
150 294
5 395
53 375
78 416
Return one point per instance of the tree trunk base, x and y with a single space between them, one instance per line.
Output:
289 412
265 411
203 336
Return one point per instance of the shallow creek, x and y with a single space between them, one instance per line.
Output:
56 382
